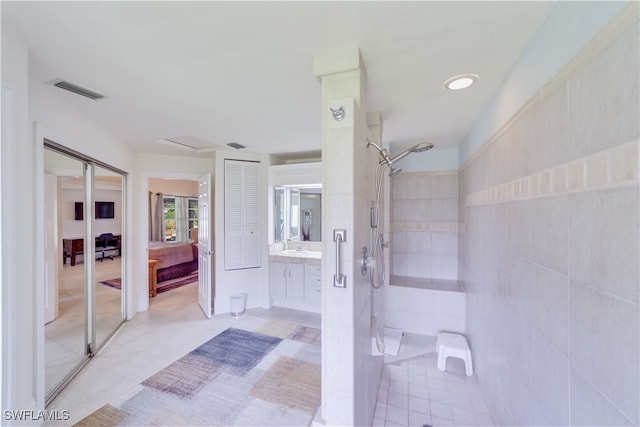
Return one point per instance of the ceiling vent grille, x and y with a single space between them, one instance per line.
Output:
236 145
79 90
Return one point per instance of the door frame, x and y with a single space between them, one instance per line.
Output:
143 230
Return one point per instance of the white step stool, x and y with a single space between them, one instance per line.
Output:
453 345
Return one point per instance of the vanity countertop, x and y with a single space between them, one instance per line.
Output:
292 255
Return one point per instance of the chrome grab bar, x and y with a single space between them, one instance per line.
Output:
339 279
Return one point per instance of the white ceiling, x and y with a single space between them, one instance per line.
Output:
209 73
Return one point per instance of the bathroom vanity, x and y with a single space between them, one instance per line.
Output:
296 230
295 279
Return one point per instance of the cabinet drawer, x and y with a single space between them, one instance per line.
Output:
312 271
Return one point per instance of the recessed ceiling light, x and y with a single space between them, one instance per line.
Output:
460 82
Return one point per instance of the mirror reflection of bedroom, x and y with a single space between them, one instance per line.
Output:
81 311
173 240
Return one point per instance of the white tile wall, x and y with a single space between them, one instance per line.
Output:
424 224
549 248
424 311
424 245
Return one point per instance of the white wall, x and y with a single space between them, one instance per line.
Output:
19 389
156 165
296 174
49 108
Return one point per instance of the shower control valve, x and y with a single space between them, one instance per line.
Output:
363 261
366 261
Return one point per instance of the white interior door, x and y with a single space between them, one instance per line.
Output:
205 270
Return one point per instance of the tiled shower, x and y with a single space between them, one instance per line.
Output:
541 228
424 225
425 296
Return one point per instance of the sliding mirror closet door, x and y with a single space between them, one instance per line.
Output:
65 268
109 310
84 228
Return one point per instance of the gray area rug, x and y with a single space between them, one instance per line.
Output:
266 377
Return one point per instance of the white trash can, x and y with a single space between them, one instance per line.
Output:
238 302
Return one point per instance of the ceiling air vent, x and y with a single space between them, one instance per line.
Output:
236 145
62 84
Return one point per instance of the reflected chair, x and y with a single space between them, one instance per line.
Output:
104 244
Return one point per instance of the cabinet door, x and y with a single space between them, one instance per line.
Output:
241 214
278 279
295 282
312 285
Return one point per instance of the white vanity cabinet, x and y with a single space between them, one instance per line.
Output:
295 283
286 280
278 279
312 284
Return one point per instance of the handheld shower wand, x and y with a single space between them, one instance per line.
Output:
378 241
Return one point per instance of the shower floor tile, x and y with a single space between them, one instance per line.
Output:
434 398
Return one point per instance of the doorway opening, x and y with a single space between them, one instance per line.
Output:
173 239
178 250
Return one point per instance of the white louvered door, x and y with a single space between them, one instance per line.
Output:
241 214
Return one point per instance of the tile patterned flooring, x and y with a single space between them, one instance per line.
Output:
152 340
415 393
412 393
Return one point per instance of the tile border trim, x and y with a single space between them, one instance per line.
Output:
450 227
611 168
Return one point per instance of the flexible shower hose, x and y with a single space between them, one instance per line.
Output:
380 245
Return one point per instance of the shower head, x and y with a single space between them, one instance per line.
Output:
387 161
394 171
418 148
423 146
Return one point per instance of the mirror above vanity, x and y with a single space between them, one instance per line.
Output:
296 213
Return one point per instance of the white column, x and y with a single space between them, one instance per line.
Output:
348 394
